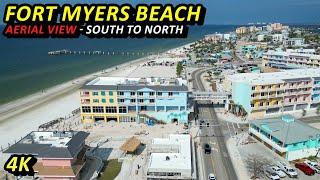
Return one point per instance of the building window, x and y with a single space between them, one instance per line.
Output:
160 108
132 100
103 93
121 100
132 93
151 100
261 103
86 109
252 105
97 109
140 100
111 109
159 93
103 100
111 100
262 87
110 93
95 100
182 108
95 93
122 109
151 94
120 93
140 93
170 93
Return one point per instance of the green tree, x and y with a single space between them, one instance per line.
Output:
179 69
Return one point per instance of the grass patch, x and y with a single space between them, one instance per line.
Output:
110 170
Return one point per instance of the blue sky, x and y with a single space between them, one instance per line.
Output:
230 11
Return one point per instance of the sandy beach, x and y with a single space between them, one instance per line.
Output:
21 116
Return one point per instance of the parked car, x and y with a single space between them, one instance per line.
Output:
211 176
287 169
278 171
305 169
313 165
207 149
271 174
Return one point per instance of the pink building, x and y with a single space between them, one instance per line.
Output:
60 155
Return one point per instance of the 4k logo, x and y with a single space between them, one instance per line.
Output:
20 164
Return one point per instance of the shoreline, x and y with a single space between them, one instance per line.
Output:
28 102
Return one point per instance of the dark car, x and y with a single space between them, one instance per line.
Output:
207 149
305 169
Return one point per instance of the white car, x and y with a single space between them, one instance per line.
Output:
313 165
287 169
272 175
278 171
211 177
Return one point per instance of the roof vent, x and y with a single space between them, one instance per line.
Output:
287 118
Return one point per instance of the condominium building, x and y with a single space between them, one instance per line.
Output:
293 42
60 155
242 30
134 100
171 158
280 135
290 59
266 94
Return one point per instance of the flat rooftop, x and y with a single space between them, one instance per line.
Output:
123 83
285 129
291 53
275 77
179 160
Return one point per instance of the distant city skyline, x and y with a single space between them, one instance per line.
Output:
235 12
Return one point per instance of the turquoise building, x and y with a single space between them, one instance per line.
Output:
290 138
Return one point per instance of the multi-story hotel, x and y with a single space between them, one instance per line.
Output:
289 60
60 155
134 100
271 93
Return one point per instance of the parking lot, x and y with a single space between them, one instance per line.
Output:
248 147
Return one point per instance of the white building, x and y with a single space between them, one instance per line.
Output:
294 42
290 59
302 51
171 158
277 38
260 37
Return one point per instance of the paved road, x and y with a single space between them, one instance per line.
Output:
218 162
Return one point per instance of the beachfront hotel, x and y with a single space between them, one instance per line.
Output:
280 135
290 59
263 94
134 100
60 155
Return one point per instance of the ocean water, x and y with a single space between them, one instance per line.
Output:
26 68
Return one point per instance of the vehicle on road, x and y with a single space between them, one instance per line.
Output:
305 169
287 169
211 176
271 174
207 149
313 165
278 171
